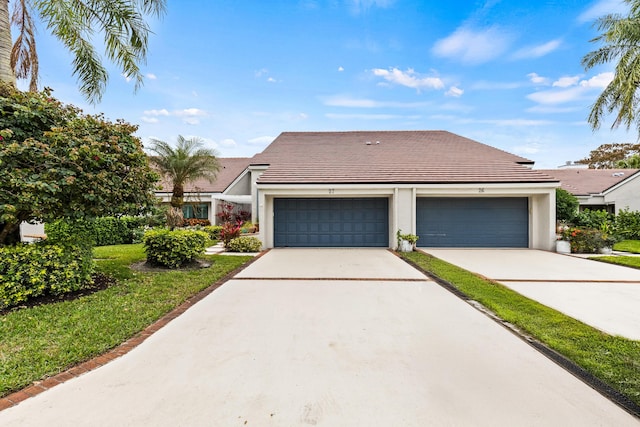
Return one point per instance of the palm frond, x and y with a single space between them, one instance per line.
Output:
24 55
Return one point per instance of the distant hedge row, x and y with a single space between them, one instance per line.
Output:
101 231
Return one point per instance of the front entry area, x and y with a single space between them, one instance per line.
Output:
331 222
488 222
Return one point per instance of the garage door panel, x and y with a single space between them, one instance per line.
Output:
347 222
473 222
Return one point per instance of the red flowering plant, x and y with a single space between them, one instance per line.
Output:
230 231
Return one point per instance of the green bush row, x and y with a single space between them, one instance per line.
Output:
625 225
173 248
31 270
100 231
245 244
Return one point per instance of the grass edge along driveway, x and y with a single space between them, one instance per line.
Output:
613 360
42 341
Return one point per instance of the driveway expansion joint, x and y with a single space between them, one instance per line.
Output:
333 279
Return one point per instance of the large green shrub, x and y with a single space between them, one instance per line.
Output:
598 219
566 205
173 248
32 270
56 162
245 244
213 231
101 231
627 224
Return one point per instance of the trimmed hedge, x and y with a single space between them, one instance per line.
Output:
245 244
102 231
31 270
173 248
213 231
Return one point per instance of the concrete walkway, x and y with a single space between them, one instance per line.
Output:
326 338
605 296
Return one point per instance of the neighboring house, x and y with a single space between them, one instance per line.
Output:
608 189
203 198
339 189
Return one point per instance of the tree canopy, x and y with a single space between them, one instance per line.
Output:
620 39
56 162
609 156
76 23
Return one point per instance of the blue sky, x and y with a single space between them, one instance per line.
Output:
237 73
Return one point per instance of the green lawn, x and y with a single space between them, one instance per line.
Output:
632 246
45 340
614 360
628 261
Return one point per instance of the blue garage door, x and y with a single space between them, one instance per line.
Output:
349 222
473 222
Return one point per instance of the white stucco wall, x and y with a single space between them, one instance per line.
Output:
626 195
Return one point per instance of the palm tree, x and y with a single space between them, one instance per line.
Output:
75 23
621 38
188 161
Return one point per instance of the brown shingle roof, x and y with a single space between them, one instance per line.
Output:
230 169
582 182
391 157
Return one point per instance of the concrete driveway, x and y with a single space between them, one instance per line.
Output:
326 338
604 296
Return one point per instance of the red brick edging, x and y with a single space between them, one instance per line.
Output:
40 386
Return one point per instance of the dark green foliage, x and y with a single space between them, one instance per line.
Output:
58 163
566 205
245 244
628 224
594 219
103 231
173 248
32 270
213 231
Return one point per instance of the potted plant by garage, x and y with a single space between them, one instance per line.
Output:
406 242
563 243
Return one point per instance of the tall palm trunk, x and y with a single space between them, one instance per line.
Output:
6 72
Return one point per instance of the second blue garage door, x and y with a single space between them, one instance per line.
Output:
473 222
345 222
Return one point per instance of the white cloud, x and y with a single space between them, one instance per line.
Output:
485 85
455 92
262 140
566 81
358 6
473 46
599 81
228 142
537 51
532 148
409 78
601 8
340 68
556 96
348 102
536 79
260 72
126 78
271 80
190 112
162 112
363 116
151 76
544 109
188 115
570 93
